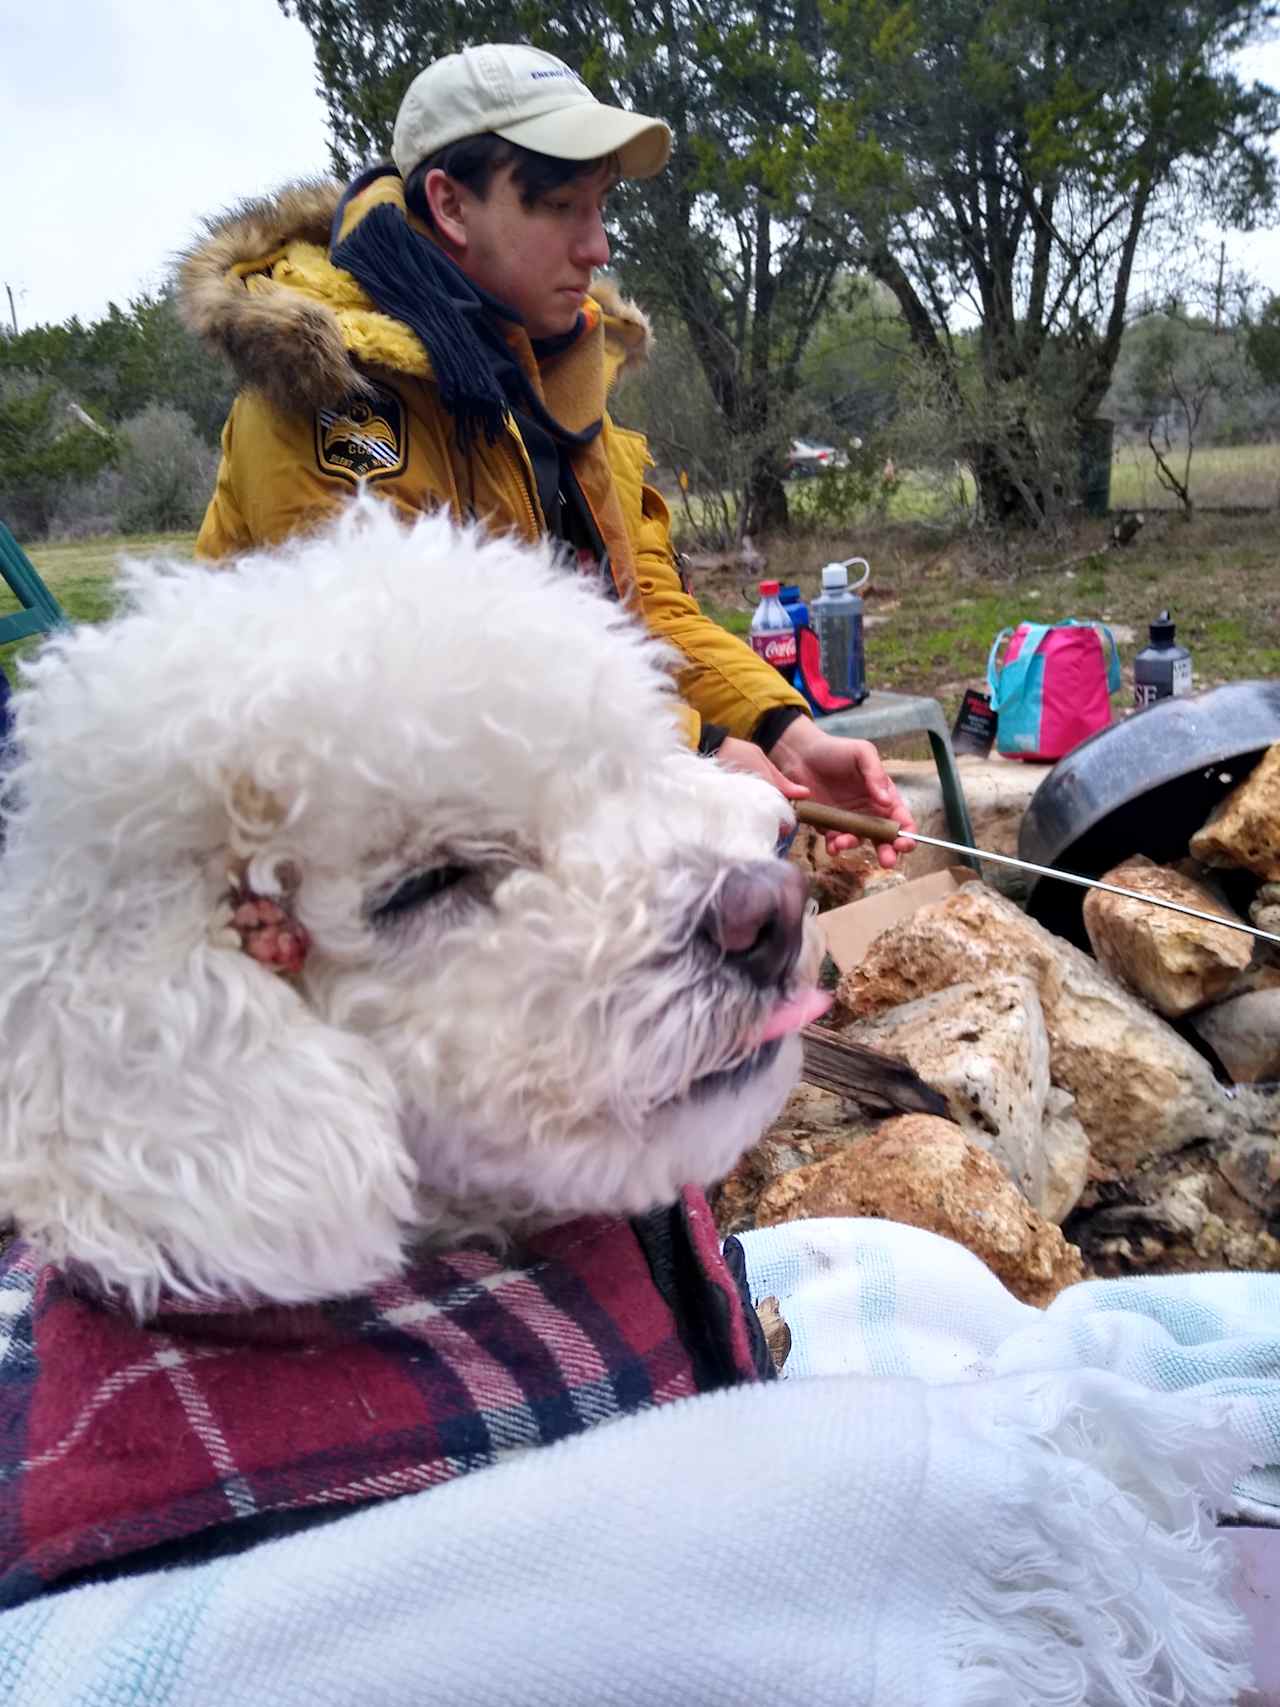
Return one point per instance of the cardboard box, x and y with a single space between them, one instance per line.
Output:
850 930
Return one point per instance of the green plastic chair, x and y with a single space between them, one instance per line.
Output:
40 610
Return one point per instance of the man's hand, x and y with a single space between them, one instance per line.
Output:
842 773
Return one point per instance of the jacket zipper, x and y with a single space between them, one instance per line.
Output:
537 521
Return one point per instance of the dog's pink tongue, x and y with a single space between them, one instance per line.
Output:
790 1016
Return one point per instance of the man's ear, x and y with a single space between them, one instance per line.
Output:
447 200
194 1126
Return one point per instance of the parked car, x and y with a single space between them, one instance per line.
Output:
805 460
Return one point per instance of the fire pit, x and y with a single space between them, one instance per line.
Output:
1120 1063
1144 786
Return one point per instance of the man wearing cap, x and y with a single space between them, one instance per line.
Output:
436 332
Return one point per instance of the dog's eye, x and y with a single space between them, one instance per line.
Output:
417 889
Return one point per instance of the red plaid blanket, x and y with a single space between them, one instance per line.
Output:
117 1437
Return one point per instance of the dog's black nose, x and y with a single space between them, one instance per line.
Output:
757 919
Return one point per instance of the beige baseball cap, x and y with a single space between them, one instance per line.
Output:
524 96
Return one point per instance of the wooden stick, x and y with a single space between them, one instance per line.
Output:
881 1083
824 817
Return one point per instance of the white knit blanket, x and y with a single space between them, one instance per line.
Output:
876 1298
865 1538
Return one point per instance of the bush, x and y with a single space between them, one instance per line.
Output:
166 472
841 497
160 483
86 509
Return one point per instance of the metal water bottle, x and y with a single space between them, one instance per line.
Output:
1161 670
837 621
773 634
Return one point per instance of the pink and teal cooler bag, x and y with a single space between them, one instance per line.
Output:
1054 687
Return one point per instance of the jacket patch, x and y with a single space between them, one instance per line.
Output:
362 438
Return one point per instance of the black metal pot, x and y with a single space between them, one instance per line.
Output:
1144 786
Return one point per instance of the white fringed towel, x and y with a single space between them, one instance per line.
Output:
878 1298
844 1540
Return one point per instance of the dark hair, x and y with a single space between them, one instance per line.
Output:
474 160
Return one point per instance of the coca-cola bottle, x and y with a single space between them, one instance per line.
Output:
772 633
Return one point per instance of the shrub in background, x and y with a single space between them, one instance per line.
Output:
159 483
166 472
86 509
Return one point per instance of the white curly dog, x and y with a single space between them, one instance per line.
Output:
366 894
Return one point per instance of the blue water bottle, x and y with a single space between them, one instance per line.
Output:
793 603
837 621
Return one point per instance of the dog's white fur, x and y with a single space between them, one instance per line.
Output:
344 712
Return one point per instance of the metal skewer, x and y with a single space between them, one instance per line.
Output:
823 817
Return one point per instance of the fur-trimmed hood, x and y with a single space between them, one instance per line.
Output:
625 319
260 289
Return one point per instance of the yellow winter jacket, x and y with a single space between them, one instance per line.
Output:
336 392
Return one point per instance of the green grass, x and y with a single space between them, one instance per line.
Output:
920 496
736 621
1226 476
81 576
1220 475
936 602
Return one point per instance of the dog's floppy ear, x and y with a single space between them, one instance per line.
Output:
175 1116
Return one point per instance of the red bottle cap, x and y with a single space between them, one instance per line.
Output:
769 589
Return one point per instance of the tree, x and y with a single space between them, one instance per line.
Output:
1182 369
1263 338
1004 159
47 444
130 358
853 370
732 240
1012 159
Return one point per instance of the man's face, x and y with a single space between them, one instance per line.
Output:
539 259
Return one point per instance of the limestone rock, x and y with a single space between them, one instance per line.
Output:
1066 1155
1205 876
1244 830
1250 1161
813 1115
835 879
1249 1154
1180 1216
985 1048
1244 1033
1140 1090
777 1335
813 1124
1224 1243
1260 976
1264 909
923 1171
1175 963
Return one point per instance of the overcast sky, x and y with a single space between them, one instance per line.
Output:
122 122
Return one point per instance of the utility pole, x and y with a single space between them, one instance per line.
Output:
13 313
1217 295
